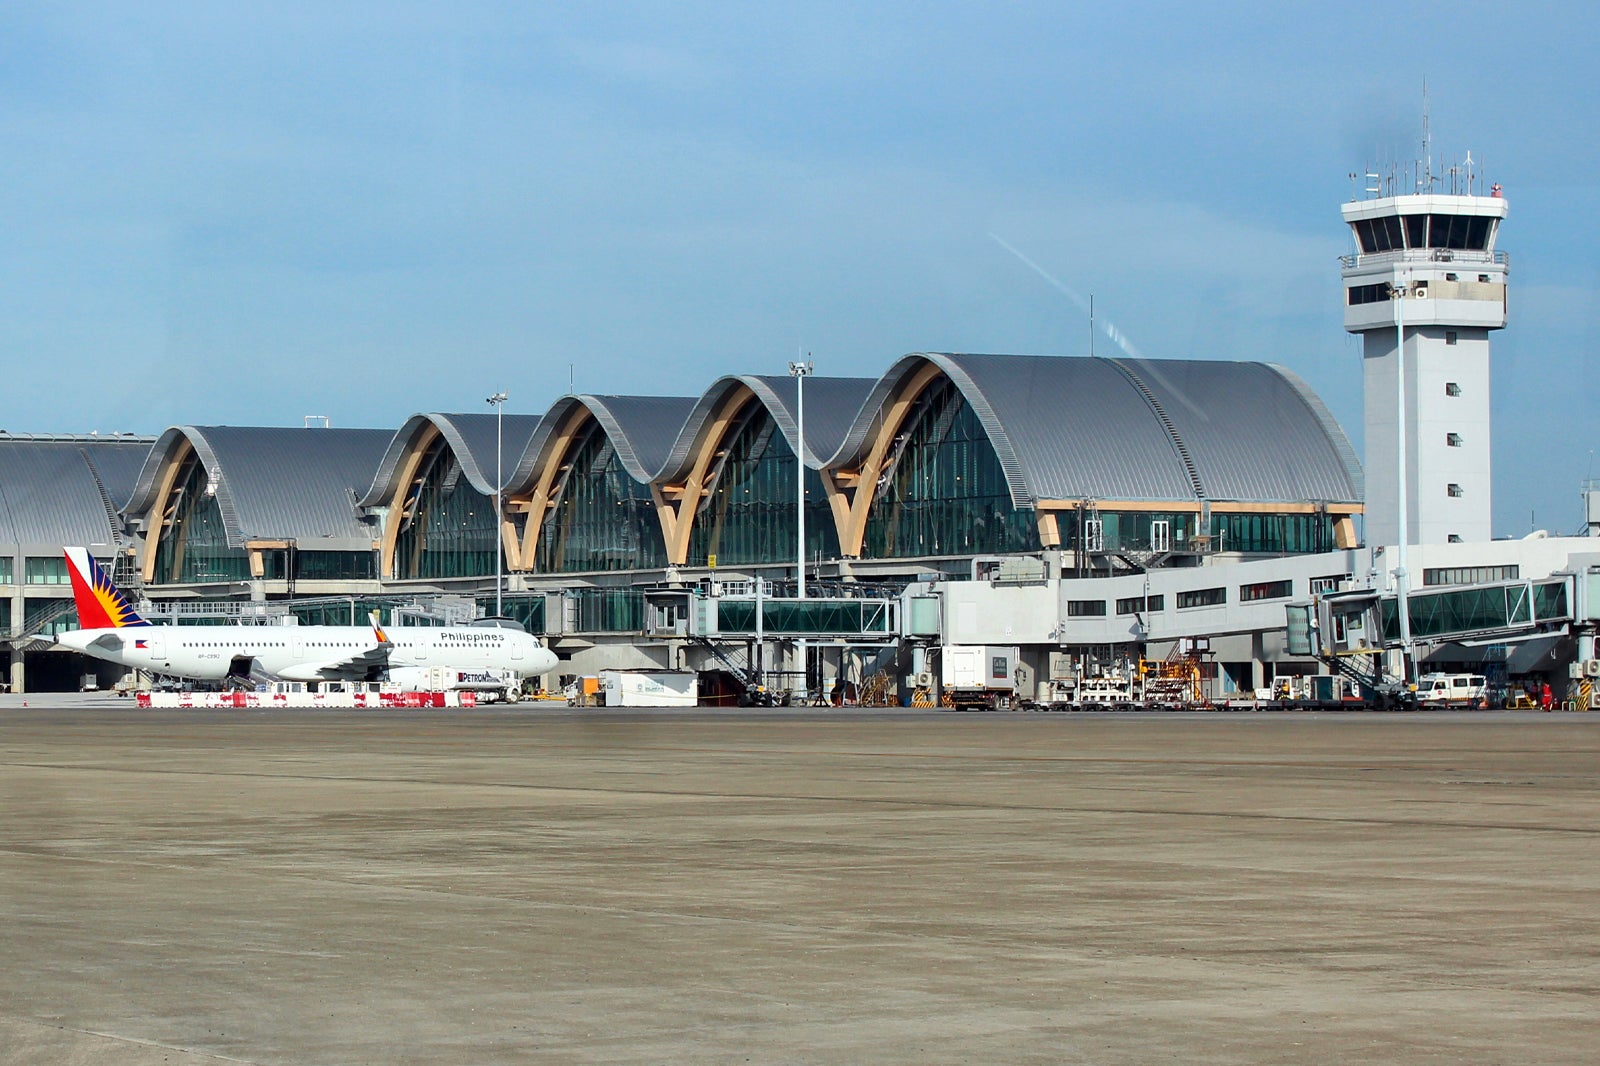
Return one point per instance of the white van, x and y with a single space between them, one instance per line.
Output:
1452 690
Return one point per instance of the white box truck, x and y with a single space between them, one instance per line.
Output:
650 688
978 677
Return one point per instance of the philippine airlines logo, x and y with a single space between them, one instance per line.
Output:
142 645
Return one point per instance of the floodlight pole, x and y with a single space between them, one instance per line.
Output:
497 401
799 371
1402 577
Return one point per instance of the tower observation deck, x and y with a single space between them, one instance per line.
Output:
1423 289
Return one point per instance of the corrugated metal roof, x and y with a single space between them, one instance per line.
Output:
1250 432
55 492
647 425
277 483
640 428
832 405
471 437
1073 427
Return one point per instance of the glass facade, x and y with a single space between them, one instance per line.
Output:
49 616
805 616
447 526
945 493
602 519
320 565
1128 530
1273 533
610 610
44 570
6 564
748 516
352 612
1470 609
194 544
529 610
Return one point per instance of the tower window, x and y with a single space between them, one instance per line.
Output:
1483 277
1452 277
1452 389
1453 538
1453 489
1453 439
1449 336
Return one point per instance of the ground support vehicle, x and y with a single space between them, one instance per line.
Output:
978 677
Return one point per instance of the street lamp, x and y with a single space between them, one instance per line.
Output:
497 401
799 371
1398 294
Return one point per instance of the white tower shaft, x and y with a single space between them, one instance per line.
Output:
1436 254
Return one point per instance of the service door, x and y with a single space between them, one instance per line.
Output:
153 644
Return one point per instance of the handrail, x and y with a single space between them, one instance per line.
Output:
1426 255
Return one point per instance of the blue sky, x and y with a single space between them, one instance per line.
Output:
224 213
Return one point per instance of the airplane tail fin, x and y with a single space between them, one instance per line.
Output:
100 604
377 629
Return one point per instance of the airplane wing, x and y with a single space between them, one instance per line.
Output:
364 665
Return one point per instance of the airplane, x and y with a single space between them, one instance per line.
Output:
114 631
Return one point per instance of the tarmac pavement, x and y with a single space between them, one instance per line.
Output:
552 885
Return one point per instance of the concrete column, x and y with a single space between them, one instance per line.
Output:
18 676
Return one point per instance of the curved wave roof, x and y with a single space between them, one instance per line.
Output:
642 429
1074 427
1063 427
832 405
276 483
471 437
60 491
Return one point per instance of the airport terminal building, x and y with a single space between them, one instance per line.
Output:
1084 510
1098 508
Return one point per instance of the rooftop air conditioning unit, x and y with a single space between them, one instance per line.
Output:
1591 668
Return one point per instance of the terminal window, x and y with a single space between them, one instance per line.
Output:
1266 590
1086 608
1141 604
1449 336
1468 575
1453 489
1320 585
1202 598
1453 439
1452 389
45 570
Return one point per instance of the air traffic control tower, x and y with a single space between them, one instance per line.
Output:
1426 282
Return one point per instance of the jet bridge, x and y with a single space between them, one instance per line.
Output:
734 620
1357 633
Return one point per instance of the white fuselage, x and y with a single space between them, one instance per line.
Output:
311 653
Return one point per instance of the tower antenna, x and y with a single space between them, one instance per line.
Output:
1427 137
